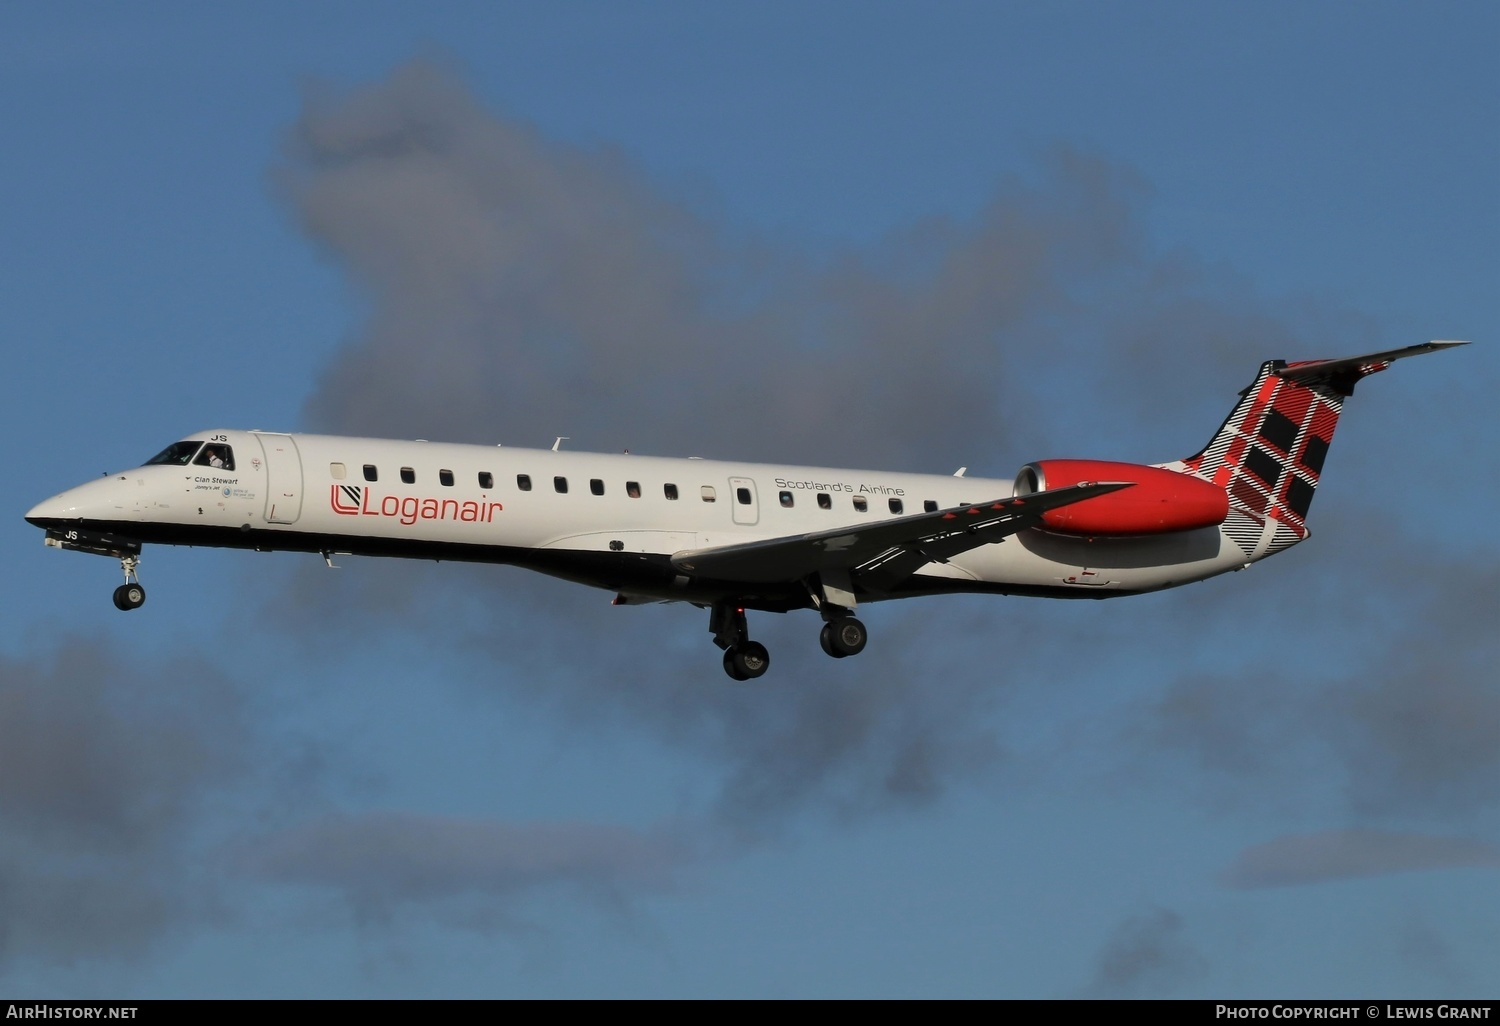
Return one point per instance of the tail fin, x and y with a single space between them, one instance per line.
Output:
1270 451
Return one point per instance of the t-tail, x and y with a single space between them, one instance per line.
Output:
1269 454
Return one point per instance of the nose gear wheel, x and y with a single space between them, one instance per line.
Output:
130 595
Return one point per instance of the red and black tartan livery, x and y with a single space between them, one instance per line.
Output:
1269 453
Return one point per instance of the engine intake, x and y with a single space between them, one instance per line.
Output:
1162 501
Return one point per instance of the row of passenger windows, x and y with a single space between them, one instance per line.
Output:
861 504
707 493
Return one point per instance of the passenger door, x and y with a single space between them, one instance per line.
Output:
283 478
742 499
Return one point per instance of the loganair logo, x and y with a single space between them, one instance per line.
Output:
359 501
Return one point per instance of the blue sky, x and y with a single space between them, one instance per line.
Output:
906 236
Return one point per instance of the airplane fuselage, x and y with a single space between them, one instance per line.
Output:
612 521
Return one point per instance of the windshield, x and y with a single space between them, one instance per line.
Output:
178 454
219 457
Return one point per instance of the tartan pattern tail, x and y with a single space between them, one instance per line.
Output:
1269 454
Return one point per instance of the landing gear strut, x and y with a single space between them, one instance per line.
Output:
743 659
130 595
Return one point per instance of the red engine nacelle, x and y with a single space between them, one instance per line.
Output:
1160 501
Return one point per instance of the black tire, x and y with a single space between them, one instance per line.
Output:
751 659
731 667
135 596
847 636
825 638
120 601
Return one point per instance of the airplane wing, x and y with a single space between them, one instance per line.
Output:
885 552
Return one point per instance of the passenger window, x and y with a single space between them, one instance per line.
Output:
560 484
895 505
742 496
338 471
825 501
596 486
669 490
929 505
486 480
217 456
860 505
370 472
633 489
523 482
786 499
408 475
708 493
445 478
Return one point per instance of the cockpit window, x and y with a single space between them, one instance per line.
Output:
220 457
178 454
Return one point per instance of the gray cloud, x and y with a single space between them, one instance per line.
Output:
1421 945
1146 956
1345 854
1408 718
1420 732
105 761
890 732
385 861
520 287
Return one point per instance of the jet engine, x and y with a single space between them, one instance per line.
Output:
1160 502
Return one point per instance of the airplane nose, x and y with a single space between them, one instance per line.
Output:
46 513
88 501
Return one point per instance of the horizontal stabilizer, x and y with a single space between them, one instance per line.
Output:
1341 375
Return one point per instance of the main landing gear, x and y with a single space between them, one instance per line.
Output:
832 595
842 636
130 595
743 659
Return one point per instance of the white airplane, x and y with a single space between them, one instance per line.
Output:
735 536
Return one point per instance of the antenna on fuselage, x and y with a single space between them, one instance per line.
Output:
557 445
960 472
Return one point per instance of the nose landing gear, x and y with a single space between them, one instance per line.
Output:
130 595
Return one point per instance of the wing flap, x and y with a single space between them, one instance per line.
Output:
884 552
